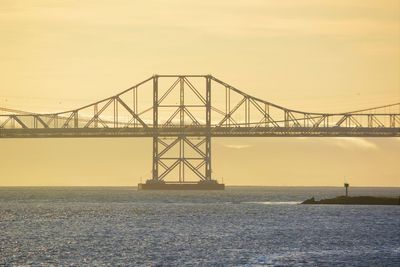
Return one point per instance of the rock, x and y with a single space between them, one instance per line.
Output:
358 200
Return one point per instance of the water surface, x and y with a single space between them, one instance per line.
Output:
241 226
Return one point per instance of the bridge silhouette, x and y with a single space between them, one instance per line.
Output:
181 113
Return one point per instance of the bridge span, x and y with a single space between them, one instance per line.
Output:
181 113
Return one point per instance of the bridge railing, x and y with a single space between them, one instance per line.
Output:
324 121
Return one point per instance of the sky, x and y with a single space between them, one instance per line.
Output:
322 56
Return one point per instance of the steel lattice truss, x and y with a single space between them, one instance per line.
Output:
182 112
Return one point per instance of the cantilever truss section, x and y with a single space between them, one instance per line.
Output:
232 113
182 112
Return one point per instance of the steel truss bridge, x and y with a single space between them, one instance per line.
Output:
183 112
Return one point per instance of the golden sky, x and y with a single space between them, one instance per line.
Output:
325 56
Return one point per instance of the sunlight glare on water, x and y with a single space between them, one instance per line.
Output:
241 226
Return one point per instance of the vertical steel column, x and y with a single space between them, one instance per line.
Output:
370 123
227 106
96 111
208 124
115 113
180 160
286 116
76 119
134 104
182 101
182 124
155 128
55 121
392 121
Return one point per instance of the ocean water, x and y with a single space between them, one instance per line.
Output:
241 226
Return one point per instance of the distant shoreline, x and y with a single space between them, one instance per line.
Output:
229 186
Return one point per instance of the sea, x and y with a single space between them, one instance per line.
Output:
241 226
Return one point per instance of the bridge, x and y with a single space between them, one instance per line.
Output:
181 113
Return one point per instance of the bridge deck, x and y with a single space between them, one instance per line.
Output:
202 131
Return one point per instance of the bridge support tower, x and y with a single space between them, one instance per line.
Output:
181 154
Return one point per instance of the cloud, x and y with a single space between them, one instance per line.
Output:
235 146
238 19
354 142
345 142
